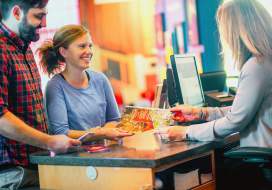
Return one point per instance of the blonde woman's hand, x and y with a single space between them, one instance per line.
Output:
186 113
176 133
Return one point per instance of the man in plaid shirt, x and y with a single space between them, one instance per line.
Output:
22 119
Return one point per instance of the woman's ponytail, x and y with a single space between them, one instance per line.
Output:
49 59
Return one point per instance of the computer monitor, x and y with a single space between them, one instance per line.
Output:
213 81
171 87
187 81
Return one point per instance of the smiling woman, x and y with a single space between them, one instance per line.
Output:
77 98
66 42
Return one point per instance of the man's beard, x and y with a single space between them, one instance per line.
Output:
27 32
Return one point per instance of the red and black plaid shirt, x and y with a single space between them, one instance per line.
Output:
20 93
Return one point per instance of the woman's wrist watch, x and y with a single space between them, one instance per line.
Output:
187 135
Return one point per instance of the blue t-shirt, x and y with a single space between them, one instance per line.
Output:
80 109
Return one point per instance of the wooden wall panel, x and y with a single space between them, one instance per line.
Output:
148 25
126 27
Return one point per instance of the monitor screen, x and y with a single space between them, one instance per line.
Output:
213 81
187 81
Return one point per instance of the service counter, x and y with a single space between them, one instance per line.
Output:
130 166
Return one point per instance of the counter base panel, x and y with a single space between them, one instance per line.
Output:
75 177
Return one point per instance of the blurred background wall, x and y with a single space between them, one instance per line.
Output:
134 38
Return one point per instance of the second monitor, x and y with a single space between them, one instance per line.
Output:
187 82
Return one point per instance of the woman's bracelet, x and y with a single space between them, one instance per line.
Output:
203 114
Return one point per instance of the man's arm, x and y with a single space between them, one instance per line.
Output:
14 128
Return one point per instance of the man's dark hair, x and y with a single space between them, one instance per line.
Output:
25 5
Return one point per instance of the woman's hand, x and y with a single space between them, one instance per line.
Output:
114 133
177 133
112 124
186 113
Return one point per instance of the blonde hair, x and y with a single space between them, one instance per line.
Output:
51 60
245 27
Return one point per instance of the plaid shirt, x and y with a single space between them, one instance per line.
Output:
20 93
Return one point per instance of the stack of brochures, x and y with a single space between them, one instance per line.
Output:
139 119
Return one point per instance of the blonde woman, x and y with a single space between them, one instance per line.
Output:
77 98
245 29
